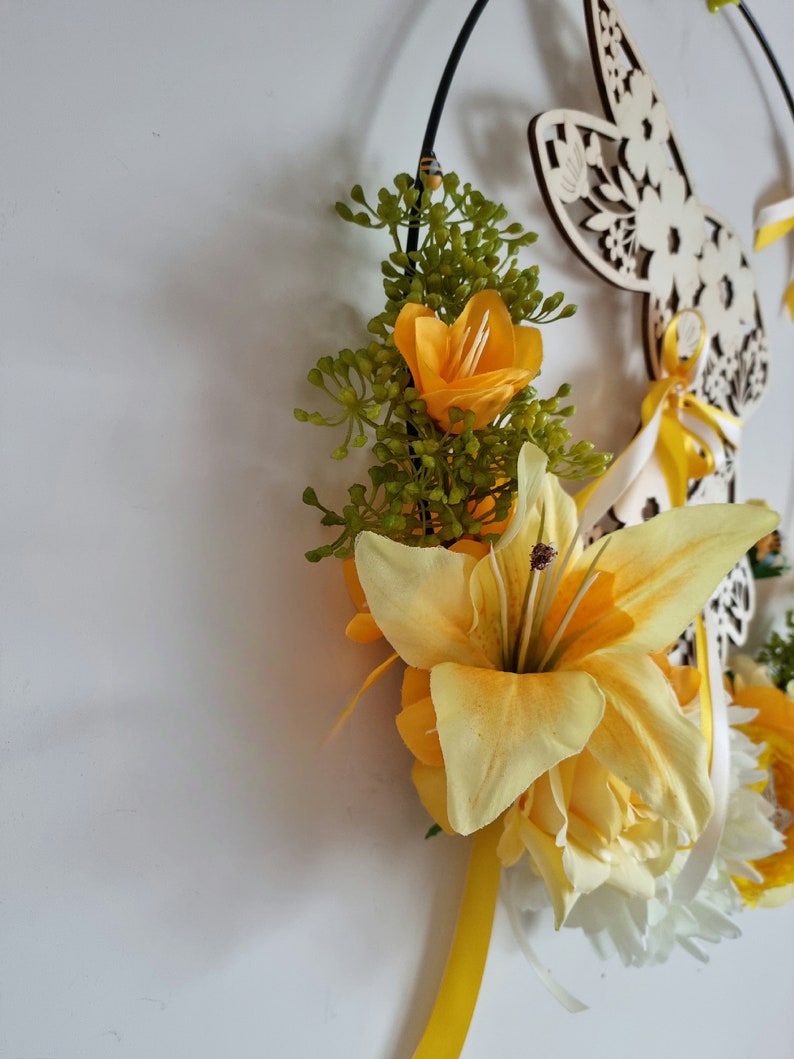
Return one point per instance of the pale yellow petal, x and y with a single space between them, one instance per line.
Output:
500 731
633 877
512 555
511 846
531 475
537 491
547 862
561 518
584 871
549 810
595 816
646 741
658 576
419 598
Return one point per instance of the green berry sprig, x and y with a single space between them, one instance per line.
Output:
431 486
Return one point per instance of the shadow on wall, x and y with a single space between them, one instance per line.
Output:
214 807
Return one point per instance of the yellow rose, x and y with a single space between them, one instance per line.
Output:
478 364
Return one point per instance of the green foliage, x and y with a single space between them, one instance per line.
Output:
777 655
427 485
464 247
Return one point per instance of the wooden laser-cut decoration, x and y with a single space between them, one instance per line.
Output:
619 189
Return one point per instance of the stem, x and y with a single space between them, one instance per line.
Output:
767 49
428 143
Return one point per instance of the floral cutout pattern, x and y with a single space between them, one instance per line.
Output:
619 189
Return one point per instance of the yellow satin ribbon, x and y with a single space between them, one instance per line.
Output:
773 222
445 1033
706 706
768 233
683 434
683 452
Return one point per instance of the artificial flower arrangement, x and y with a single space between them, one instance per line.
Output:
538 701
551 723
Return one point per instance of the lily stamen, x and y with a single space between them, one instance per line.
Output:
527 620
541 557
577 599
589 578
500 587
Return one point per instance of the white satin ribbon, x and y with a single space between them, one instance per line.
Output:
702 854
559 992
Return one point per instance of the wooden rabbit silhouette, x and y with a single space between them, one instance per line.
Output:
620 192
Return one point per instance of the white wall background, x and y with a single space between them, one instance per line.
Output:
187 870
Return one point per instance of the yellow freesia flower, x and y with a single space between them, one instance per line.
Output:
542 648
774 727
478 364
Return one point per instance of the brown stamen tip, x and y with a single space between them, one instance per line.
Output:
542 555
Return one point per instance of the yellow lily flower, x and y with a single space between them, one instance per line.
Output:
542 648
582 827
478 364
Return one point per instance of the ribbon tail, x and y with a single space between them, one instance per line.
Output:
715 728
671 453
705 452
445 1033
558 991
788 298
773 222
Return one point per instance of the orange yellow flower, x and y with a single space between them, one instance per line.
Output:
361 628
478 364
774 727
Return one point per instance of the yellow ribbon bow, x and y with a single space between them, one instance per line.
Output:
692 434
684 435
772 223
